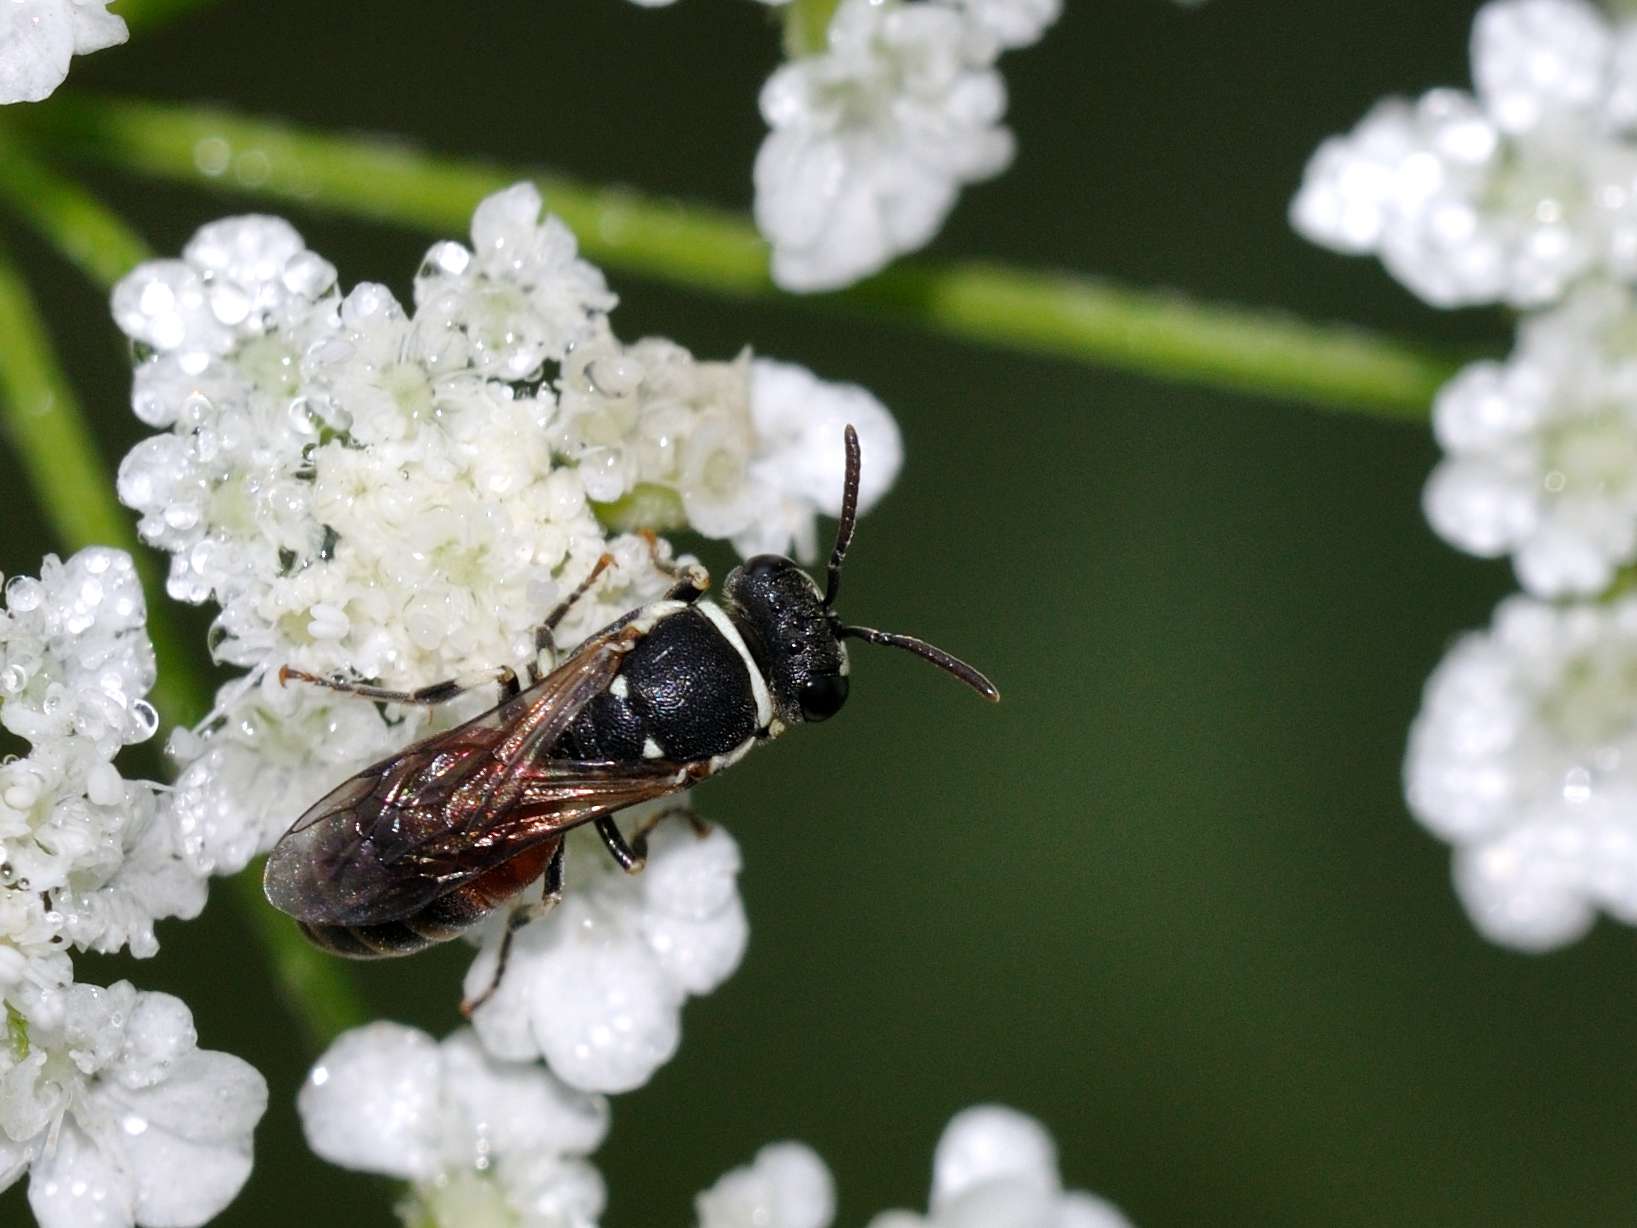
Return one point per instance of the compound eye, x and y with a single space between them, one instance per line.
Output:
822 697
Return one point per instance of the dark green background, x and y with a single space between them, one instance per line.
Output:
1166 897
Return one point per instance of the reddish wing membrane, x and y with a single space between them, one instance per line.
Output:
413 827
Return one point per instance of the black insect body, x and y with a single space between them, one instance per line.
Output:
426 843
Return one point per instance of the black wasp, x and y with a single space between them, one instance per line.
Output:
425 843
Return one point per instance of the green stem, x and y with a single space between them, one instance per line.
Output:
75 223
1161 335
44 423
144 15
807 26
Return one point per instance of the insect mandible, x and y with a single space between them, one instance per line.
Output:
430 840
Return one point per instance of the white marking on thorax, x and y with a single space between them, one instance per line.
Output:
718 762
650 749
758 684
648 617
619 688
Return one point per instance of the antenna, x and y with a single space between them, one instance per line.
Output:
832 586
849 517
927 652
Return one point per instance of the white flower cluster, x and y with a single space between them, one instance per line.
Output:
400 495
994 1168
1523 755
487 1143
483 1142
633 948
39 37
874 133
119 1117
85 860
873 137
1507 196
105 1099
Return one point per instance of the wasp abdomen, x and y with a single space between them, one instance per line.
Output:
439 921
445 917
369 941
688 690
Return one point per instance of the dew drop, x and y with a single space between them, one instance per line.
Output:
146 718
23 594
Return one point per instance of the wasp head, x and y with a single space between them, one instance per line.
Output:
796 635
793 636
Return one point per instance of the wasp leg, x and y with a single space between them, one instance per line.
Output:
521 916
688 580
544 641
427 696
629 860
639 841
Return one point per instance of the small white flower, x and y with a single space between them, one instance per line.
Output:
521 294
1524 756
39 37
996 1168
752 448
484 1142
119 1118
1509 196
634 947
800 458
224 491
872 140
1541 451
785 1186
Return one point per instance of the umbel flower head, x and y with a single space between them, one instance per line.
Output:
1506 195
86 858
106 1103
874 136
1524 757
483 1142
118 1118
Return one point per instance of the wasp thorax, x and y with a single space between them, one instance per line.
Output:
781 614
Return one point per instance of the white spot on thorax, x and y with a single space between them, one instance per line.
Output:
718 762
619 688
650 614
650 749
